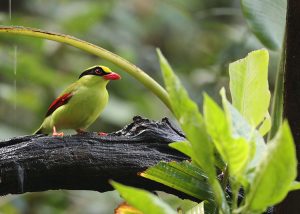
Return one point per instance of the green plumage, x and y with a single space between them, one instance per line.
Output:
88 99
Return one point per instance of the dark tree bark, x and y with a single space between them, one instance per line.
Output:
88 161
291 204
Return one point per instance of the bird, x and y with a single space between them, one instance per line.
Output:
80 104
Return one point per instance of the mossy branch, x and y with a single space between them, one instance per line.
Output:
133 70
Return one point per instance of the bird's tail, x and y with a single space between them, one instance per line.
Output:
39 131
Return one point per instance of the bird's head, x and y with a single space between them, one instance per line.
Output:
101 71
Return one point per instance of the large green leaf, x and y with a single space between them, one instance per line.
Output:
234 151
266 19
242 129
217 124
183 176
143 200
199 209
275 173
189 117
187 113
204 207
266 125
295 186
249 86
184 147
176 202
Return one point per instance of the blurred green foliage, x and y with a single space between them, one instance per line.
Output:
199 38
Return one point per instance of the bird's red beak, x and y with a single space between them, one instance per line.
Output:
112 76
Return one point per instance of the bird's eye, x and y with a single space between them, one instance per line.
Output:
98 71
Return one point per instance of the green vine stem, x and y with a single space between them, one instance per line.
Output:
133 70
277 105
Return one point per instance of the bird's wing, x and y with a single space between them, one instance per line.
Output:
62 99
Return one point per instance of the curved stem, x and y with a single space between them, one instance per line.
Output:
133 70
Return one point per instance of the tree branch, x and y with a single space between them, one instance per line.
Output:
87 162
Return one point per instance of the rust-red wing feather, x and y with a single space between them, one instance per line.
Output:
62 100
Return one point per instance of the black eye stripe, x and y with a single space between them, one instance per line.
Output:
94 71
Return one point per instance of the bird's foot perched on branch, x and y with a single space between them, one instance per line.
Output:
102 134
55 133
86 162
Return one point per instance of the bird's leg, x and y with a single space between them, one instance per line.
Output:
55 133
81 131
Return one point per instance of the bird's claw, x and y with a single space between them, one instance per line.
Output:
57 134
102 134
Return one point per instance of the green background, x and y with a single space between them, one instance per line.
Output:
198 37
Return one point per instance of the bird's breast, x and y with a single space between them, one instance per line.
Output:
83 108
